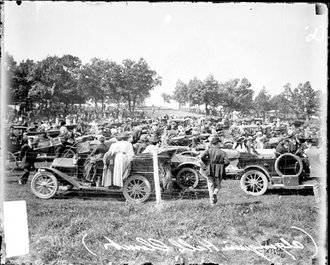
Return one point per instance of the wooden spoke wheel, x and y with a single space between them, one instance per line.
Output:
137 189
44 185
10 162
187 178
254 182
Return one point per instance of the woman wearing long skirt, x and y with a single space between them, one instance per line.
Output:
108 162
123 154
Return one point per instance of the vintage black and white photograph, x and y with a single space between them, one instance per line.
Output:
163 133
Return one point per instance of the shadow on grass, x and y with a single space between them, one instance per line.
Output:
118 195
301 191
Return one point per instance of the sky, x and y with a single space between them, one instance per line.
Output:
269 44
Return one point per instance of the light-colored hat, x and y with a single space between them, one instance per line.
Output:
143 137
153 139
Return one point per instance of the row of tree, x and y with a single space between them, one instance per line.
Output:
66 80
236 95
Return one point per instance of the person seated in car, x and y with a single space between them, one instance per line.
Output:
283 147
170 133
141 144
64 137
153 145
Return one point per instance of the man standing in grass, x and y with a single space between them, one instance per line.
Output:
28 156
216 161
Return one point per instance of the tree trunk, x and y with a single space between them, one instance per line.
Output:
102 110
206 109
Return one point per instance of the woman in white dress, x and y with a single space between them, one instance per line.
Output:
108 162
123 154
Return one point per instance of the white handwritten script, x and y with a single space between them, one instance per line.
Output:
318 34
153 245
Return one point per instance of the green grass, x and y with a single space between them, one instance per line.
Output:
57 226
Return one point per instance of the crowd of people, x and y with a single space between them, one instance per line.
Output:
120 141
77 114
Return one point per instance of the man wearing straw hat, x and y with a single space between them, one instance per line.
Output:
216 161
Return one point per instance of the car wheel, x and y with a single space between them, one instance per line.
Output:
136 189
44 185
254 182
10 162
187 178
69 153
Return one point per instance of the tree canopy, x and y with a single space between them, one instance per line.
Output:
66 80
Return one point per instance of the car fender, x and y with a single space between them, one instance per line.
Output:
61 175
188 164
257 167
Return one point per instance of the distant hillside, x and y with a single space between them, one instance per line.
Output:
176 112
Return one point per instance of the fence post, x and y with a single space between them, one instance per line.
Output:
156 177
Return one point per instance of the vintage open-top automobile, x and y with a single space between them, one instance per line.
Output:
137 187
263 172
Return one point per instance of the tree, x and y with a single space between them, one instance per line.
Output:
195 86
10 67
210 93
236 95
137 81
261 102
92 81
307 100
47 76
166 97
22 82
69 92
112 81
206 92
278 102
180 93
301 101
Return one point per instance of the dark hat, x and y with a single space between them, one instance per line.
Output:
215 140
123 136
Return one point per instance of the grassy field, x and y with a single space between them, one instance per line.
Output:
75 228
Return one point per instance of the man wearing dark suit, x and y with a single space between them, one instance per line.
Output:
216 161
28 156
283 147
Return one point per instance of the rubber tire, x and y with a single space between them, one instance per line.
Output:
298 160
139 182
255 174
11 157
180 175
34 182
